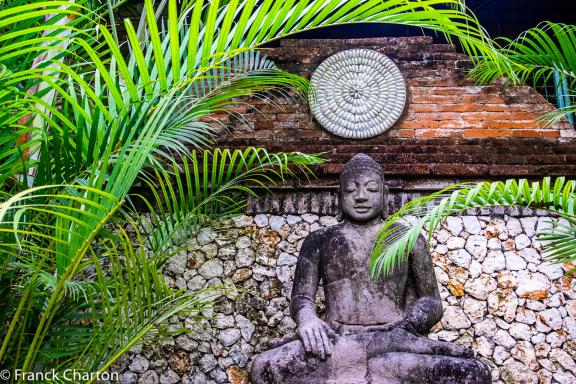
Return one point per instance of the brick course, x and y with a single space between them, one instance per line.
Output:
451 126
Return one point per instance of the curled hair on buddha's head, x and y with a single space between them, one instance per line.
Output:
360 162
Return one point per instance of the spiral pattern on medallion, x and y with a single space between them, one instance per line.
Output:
360 93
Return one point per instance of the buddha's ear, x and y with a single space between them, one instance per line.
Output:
385 202
340 214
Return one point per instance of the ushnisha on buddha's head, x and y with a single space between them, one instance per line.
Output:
362 190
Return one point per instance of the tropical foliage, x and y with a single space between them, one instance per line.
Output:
86 115
539 56
395 241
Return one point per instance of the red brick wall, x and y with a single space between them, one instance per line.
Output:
450 128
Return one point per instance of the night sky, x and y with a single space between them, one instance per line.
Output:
500 17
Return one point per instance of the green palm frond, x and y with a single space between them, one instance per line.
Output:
208 187
560 239
99 112
56 229
110 95
535 55
395 242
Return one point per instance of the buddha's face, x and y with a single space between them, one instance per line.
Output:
362 196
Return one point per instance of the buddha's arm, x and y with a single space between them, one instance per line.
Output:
426 310
306 280
313 332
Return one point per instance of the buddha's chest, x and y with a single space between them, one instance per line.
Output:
346 255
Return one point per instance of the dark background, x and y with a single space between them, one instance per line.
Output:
500 18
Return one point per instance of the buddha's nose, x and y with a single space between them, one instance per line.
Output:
361 196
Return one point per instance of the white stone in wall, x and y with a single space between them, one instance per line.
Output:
563 358
277 222
494 262
514 262
524 352
514 226
310 218
261 220
504 339
246 327
525 316
494 243
552 271
529 225
455 318
177 264
471 225
211 268
500 296
564 377
205 236
522 241
476 246
485 346
455 243
474 309
552 318
486 327
480 288
475 269
521 331
454 225
500 355
532 285
460 257
442 236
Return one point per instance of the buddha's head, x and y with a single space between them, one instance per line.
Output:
362 190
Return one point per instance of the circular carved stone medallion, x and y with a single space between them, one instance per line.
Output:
360 93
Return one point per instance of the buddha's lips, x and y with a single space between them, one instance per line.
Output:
362 209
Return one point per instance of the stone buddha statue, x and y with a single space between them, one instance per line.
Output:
374 330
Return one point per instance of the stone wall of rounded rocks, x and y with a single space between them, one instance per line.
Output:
500 298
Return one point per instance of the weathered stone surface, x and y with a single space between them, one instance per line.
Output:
474 309
517 373
149 377
552 318
207 362
179 362
246 327
454 225
476 245
261 220
460 257
514 262
471 225
524 352
169 377
552 271
139 364
229 336
237 375
534 305
522 241
535 286
128 378
481 287
455 318
211 268
494 262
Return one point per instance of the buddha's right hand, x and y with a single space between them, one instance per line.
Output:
315 335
